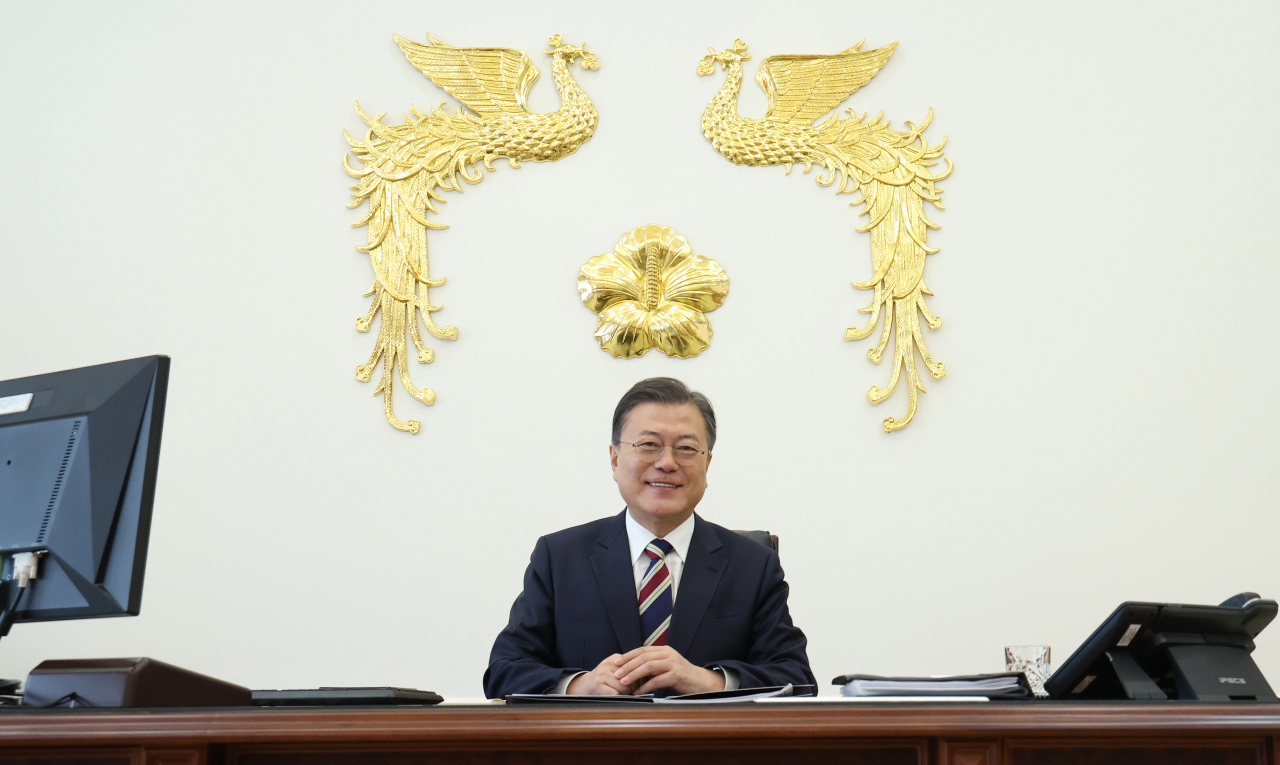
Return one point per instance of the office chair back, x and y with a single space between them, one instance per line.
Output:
763 537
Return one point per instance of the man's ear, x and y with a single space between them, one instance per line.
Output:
613 456
708 460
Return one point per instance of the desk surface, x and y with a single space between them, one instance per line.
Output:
614 722
954 734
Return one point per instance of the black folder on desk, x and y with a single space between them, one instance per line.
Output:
311 697
714 697
1003 685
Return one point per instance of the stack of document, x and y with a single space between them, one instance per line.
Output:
1009 685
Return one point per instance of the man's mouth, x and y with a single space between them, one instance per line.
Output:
661 485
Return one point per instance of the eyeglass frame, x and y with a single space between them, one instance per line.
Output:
635 448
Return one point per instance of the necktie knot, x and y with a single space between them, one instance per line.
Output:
658 548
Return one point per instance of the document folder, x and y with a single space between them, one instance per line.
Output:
1006 685
715 697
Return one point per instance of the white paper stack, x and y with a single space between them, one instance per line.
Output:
1009 685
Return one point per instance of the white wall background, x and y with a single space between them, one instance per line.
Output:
1105 432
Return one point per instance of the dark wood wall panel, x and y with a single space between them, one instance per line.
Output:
541 754
72 756
951 752
1046 733
1145 752
189 756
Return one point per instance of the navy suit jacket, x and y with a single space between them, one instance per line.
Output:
579 607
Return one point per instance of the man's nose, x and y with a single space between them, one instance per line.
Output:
667 460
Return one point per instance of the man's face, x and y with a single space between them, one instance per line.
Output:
661 494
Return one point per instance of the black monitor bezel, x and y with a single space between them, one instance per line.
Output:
159 365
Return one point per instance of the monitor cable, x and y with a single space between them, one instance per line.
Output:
9 614
10 695
26 566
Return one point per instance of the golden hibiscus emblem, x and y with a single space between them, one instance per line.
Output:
652 291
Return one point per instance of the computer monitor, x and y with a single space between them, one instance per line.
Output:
1158 651
78 456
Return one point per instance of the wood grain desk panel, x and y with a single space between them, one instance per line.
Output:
1139 751
1040 733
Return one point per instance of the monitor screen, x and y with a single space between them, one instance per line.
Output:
78 457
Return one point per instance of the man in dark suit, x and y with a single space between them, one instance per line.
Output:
655 598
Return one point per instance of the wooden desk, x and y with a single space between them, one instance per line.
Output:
1038 733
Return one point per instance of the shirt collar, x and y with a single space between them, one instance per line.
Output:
638 537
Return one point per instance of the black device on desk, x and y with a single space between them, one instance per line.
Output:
1156 651
326 697
79 450
127 683
78 456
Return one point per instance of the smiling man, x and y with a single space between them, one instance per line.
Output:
654 599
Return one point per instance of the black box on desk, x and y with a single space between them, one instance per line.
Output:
127 683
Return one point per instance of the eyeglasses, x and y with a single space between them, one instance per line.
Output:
651 451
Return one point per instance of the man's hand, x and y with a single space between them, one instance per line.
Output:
665 668
601 681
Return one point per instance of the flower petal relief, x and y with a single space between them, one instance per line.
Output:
652 291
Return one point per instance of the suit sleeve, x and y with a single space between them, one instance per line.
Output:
777 655
523 659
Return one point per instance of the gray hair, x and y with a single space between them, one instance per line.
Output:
663 390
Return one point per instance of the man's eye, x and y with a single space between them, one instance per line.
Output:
686 450
648 446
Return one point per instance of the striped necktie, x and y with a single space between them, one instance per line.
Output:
655 594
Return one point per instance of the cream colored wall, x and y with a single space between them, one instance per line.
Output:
1105 432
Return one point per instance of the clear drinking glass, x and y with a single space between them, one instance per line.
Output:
1031 659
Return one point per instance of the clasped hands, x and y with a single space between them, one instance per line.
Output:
645 670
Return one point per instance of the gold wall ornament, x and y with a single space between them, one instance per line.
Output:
887 168
652 291
406 166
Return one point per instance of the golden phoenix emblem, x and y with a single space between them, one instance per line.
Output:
889 169
652 291
405 167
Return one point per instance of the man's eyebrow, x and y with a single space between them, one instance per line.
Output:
659 435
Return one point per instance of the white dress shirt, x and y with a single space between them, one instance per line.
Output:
638 538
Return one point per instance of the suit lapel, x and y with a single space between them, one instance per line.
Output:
615 576
698 582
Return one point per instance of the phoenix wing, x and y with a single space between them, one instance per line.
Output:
803 88
490 81
892 171
403 168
